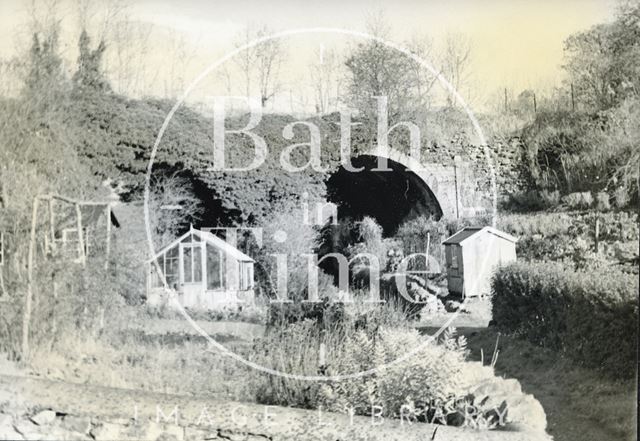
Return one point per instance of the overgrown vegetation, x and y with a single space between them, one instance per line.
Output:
593 148
589 316
69 133
570 238
377 341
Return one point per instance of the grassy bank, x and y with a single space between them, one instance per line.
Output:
580 405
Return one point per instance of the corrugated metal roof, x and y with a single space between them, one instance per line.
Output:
66 216
468 232
462 235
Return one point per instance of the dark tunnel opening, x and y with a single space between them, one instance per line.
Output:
390 197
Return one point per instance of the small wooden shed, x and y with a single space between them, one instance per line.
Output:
472 254
205 271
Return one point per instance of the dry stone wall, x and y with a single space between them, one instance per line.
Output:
43 409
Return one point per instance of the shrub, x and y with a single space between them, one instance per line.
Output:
532 201
592 317
321 313
545 224
370 241
621 197
551 199
436 373
284 234
415 233
602 201
578 201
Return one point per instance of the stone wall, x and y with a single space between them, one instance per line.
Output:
42 409
459 174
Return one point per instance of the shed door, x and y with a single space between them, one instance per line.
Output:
455 260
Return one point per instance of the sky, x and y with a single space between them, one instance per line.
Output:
516 44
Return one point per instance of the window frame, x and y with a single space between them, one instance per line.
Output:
221 267
454 257
192 280
246 276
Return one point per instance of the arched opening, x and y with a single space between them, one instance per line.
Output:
390 197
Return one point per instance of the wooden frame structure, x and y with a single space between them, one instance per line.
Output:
50 200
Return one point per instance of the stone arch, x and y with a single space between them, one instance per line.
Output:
440 179
408 189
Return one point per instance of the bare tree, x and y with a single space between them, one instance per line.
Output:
326 80
246 59
130 43
269 57
375 69
171 202
180 57
260 64
455 62
425 80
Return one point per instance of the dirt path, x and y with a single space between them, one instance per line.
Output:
580 405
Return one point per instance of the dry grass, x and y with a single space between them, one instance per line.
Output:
148 354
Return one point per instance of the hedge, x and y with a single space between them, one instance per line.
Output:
589 316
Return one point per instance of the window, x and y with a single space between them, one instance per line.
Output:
192 262
170 267
215 268
454 258
168 263
246 275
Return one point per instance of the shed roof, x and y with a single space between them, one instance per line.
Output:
469 232
90 215
212 239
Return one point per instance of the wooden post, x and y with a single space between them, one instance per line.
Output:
26 317
535 104
80 234
455 182
51 226
54 321
3 288
108 250
597 234
322 361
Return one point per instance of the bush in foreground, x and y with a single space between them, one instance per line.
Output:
590 316
397 383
